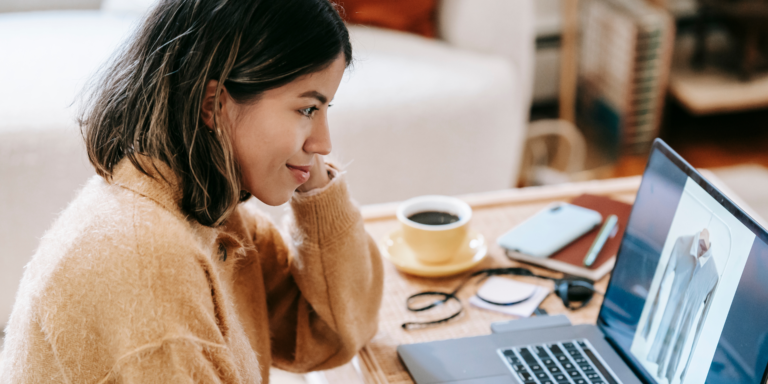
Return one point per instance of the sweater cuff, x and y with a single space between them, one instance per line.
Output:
326 212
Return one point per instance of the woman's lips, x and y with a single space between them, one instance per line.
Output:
300 173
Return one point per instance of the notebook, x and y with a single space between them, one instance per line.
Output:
570 259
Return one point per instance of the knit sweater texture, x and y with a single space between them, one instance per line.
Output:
126 288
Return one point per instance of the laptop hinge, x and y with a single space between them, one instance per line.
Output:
529 323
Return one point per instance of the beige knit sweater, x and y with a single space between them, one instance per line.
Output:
126 289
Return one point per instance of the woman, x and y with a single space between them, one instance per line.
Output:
155 273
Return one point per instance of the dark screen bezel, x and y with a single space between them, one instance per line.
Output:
759 231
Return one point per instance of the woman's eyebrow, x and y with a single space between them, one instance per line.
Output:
316 95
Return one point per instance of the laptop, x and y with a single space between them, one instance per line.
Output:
687 303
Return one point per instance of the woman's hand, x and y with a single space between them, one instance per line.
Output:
318 176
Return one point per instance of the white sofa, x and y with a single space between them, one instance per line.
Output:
413 116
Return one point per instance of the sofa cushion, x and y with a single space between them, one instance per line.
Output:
47 59
136 7
42 5
416 116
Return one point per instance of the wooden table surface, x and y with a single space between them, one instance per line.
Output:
493 214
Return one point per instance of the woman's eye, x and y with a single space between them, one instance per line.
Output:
308 112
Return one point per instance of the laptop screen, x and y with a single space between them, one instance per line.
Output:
687 299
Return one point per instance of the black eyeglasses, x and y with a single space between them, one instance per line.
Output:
570 290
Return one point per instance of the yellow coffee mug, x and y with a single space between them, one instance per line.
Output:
434 243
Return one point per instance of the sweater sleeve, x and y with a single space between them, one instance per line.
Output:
325 288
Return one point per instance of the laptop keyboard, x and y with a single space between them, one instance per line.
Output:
572 362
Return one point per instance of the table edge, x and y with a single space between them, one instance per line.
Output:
384 211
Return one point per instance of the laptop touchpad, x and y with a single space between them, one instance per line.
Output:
484 380
455 361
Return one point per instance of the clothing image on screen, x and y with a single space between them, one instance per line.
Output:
689 297
694 278
727 338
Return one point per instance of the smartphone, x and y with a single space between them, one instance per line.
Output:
550 229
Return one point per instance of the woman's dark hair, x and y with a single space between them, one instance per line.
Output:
148 99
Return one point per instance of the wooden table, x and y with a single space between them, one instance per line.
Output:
493 214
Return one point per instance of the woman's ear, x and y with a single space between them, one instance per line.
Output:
207 110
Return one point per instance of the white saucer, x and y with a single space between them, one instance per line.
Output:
472 252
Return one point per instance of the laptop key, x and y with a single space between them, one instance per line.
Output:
548 362
569 345
554 369
547 382
580 360
525 353
567 366
555 349
536 367
508 352
586 368
580 381
541 375
519 367
562 358
560 377
573 373
525 376
593 376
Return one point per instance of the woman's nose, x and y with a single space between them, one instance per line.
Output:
319 141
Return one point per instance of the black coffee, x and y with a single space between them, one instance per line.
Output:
433 218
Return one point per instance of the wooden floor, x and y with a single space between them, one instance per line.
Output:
709 141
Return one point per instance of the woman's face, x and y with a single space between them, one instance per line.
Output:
276 138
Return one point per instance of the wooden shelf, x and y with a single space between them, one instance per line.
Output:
712 91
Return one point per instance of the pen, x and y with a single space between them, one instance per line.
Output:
600 240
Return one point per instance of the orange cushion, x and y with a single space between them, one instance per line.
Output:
415 16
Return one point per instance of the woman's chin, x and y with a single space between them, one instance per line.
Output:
275 199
